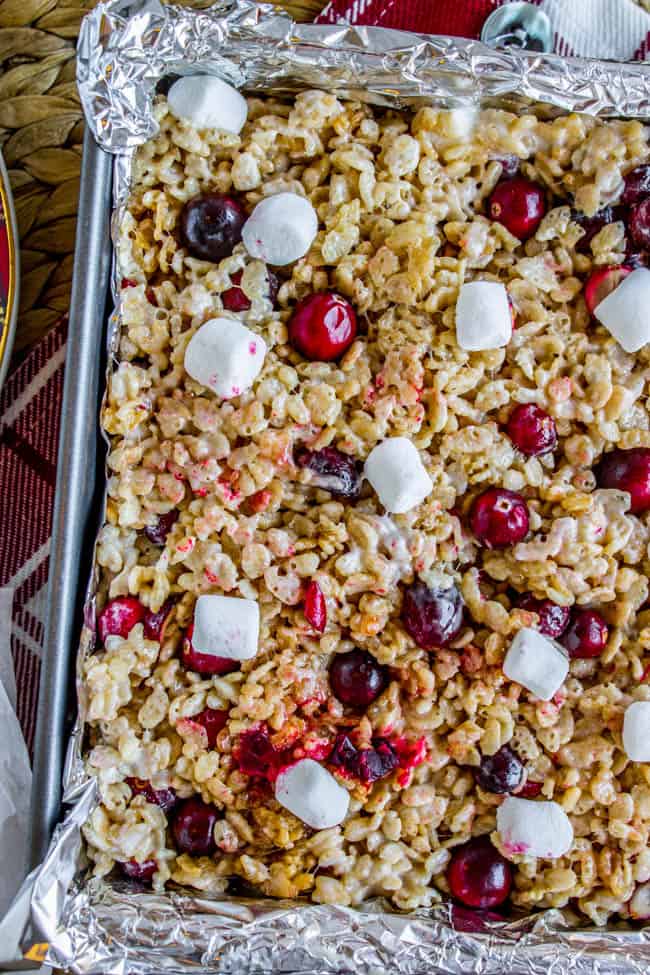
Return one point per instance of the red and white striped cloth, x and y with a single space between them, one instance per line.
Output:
30 403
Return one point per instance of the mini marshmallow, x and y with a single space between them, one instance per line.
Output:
398 475
636 731
226 626
312 794
207 102
225 356
533 828
280 229
483 319
538 663
624 312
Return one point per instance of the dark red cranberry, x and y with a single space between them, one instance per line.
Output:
635 256
139 871
639 223
553 619
259 501
165 798
502 772
315 608
602 282
478 876
323 326
530 790
432 617
119 616
357 679
366 764
205 663
519 204
157 533
627 470
499 517
586 634
193 827
234 298
473 921
593 225
637 185
532 430
255 753
213 720
128 283
334 472
154 624
211 226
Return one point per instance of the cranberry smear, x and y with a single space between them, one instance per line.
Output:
519 204
205 663
157 534
323 326
165 798
211 226
529 789
119 616
586 634
256 755
553 619
193 827
532 430
499 518
315 607
627 470
432 617
334 471
139 871
366 764
478 876
213 720
639 223
155 623
356 678
637 185
502 772
602 282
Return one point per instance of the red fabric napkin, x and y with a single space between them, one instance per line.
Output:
30 403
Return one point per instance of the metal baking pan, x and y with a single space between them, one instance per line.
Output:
79 488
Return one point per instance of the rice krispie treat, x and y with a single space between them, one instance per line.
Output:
372 617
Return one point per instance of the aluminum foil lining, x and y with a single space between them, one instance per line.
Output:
109 927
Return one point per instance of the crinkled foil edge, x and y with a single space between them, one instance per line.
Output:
108 927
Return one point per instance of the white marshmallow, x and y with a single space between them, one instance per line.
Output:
225 356
397 474
226 626
207 102
312 794
483 319
533 828
625 311
636 731
640 903
538 663
280 229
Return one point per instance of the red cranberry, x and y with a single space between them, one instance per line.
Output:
322 326
637 185
357 678
593 225
502 772
586 634
602 282
140 871
157 533
213 720
255 753
211 226
432 617
553 619
234 298
532 430
259 501
335 472
205 663
478 876
193 827
519 204
499 517
128 283
119 616
627 470
315 607
366 764
154 624
639 223
529 790
165 798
